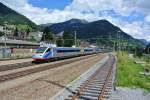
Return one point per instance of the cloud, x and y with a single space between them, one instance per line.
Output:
91 10
147 18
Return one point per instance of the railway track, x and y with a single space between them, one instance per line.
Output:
29 63
99 85
15 66
14 75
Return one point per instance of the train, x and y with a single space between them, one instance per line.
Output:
46 53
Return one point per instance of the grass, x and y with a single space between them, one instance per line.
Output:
128 73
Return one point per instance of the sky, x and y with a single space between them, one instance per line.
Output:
132 16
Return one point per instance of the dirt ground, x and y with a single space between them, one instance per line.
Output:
7 62
47 86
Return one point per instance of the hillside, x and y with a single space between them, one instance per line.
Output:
12 17
103 30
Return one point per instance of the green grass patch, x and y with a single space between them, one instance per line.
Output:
128 73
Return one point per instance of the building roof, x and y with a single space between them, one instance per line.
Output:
10 41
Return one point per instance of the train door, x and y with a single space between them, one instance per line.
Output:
52 52
48 53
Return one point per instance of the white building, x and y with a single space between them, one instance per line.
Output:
1 29
36 35
9 30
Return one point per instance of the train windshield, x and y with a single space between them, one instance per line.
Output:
41 49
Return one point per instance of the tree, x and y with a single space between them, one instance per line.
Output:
139 51
47 35
59 42
147 49
16 32
68 39
1 34
33 39
27 32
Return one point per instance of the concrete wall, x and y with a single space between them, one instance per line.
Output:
18 51
22 53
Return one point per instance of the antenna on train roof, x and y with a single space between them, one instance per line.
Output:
43 44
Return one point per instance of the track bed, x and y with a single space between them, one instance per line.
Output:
99 85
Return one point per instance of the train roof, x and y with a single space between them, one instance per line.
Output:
73 48
88 48
64 48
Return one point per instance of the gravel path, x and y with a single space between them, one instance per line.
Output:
130 94
45 87
15 61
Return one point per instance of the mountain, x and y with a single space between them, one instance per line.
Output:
144 41
45 25
103 30
13 17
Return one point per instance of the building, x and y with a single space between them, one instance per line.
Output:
59 35
84 44
8 30
17 43
1 29
35 35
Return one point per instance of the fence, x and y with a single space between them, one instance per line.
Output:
5 53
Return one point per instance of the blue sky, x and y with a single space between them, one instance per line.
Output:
50 4
132 16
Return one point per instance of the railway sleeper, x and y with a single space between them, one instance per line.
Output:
86 97
109 84
99 81
108 92
89 94
108 88
94 85
90 91
106 96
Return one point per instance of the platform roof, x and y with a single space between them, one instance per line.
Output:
20 42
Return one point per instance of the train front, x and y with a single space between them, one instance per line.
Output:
42 53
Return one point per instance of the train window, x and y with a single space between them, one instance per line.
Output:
48 50
59 51
88 49
41 49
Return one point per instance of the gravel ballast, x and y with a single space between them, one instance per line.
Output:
124 93
47 86
71 87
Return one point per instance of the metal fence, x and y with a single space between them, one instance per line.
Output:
5 53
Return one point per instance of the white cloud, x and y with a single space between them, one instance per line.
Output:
122 7
92 8
147 18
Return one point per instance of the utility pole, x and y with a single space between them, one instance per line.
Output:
122 45
75 38
5 33
109 36
148 53
119 40
114 46
44 37
110 42
148 50
117 44
135 52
